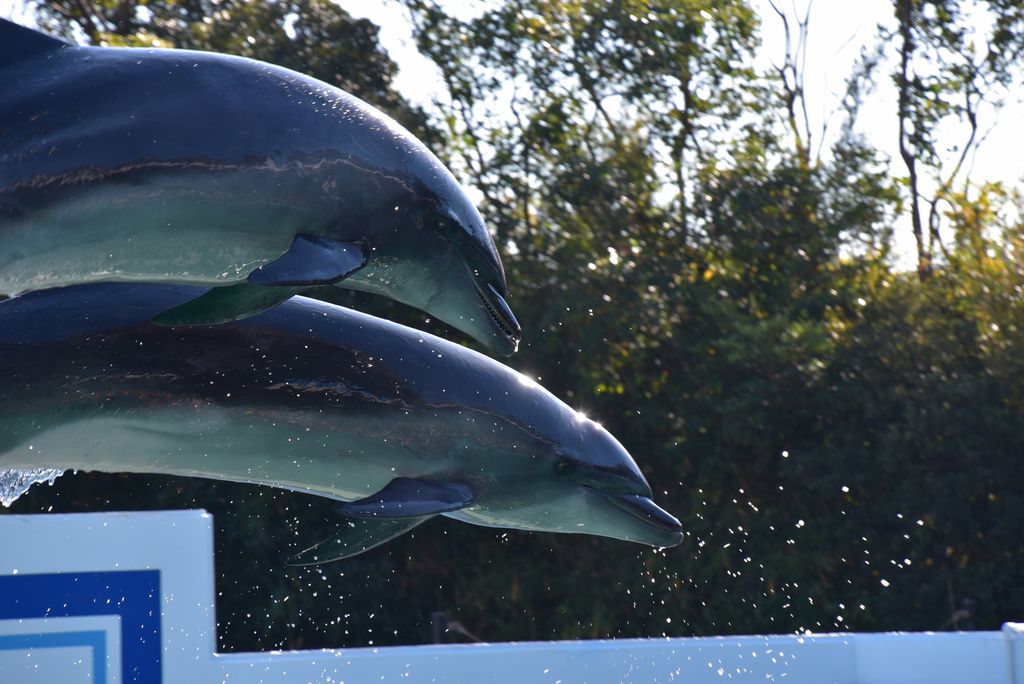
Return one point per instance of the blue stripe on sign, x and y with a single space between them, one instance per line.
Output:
134 595
96 640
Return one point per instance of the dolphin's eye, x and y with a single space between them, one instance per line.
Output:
564 466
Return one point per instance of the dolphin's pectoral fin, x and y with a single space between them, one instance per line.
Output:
355 536
312 260
227 303
403 504
406 497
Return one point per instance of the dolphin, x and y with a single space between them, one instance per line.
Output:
397 425
185 167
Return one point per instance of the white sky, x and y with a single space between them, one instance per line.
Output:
838 31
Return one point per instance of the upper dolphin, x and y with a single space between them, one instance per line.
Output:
176 166
397 424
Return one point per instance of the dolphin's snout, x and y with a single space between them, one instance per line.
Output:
503 319
666 528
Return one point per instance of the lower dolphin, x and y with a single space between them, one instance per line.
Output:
397 425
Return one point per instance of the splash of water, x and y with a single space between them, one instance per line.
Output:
14 483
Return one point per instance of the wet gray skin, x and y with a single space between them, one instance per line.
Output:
174 166
311 397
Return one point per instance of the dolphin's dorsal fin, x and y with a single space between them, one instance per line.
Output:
18 42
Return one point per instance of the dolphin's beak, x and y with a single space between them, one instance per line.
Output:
665 529
507 332
492 323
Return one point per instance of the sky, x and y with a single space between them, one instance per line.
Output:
838 31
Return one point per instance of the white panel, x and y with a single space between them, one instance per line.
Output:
811 660
179 545
1014 634
933 658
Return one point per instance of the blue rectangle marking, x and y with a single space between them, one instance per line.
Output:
133 595
96 640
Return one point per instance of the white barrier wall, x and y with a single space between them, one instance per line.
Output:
128 598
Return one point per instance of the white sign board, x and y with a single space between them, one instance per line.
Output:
128 598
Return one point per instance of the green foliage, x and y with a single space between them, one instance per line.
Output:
841 440
316 37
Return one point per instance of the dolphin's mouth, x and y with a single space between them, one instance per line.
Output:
668 530
498 309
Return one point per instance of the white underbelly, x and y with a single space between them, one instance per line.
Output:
152 233
221 445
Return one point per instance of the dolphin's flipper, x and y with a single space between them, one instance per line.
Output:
406 497
403 504
18 43
227 303
312 260
354 537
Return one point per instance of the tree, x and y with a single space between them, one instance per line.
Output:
946 73
315 37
